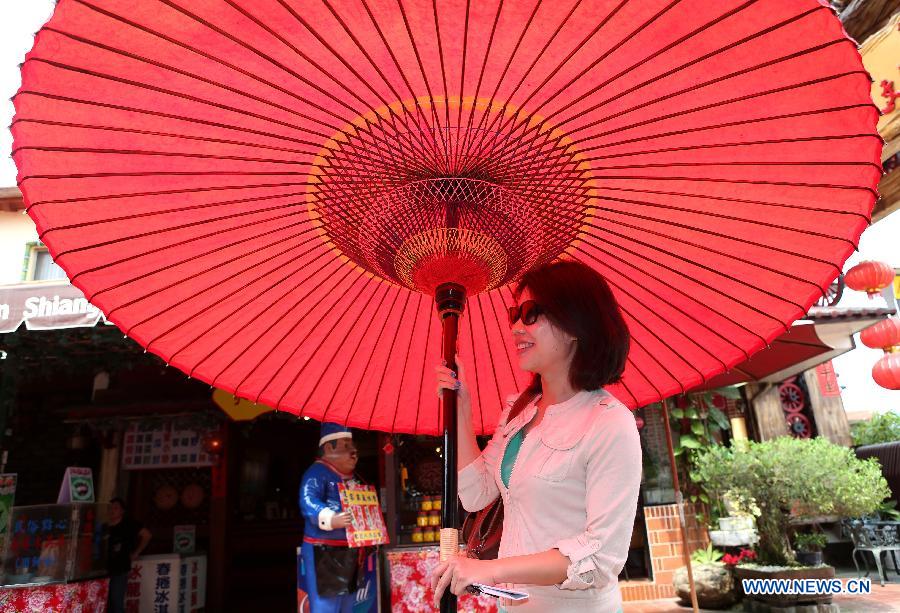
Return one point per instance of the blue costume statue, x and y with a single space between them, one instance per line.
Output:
328 569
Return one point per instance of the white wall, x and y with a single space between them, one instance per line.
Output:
16 230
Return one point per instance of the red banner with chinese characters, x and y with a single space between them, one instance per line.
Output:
367 525
828 383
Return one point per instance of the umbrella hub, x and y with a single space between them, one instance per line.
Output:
421 204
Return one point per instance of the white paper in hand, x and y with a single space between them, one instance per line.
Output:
499 592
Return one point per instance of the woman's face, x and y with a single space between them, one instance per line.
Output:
542 347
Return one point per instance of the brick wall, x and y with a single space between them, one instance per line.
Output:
666 552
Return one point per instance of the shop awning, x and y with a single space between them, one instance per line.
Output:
826 333
45 306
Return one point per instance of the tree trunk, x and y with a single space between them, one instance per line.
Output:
774 544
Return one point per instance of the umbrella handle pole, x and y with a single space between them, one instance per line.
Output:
450 301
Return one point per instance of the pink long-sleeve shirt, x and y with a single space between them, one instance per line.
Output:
574 487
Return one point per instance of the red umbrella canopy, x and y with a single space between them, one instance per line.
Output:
265 193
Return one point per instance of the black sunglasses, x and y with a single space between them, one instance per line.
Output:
528 311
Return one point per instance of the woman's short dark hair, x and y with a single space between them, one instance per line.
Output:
577 300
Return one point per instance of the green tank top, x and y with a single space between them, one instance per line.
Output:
510 455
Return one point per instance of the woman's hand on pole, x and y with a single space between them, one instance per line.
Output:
450 380
458 573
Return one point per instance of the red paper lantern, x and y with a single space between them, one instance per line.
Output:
886 371
883 335
870 277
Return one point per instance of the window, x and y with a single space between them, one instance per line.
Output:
42 268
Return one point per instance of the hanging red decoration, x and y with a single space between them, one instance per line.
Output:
883 335
870 277
886 371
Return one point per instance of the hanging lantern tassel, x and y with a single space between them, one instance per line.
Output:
870 277
886 371
883 335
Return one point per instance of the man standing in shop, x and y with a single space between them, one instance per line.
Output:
127 539
328 569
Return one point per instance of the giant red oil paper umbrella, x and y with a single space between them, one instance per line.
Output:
274 195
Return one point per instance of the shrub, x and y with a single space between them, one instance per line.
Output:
793 477
882 428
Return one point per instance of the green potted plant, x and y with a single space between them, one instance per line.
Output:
809 547
792 478
713 580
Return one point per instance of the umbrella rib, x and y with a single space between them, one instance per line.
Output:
668 345
196 99
168 192
412 40
600 59
726 236
752 221
229 65
635 368
457 152
184 261
422 377
491 356
778 141
691 88
303 340
256 296
493 97
711 105
687 277
870 190
346 64
613 48
547 118
734 200
199 292
213 82
440 46
337 351
181 244
694 319
192 224
637 340
387 360
501 330
731 124
436 154
550 39
403 372
157 212
465 153
347 270
188 137
176 94
475 361
735 163
151 113
704 266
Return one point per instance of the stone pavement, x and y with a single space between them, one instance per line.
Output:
885 598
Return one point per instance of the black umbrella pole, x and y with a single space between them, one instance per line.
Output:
450 299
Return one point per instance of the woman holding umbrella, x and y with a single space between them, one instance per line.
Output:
565 458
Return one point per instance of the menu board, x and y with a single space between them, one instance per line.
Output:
163 447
